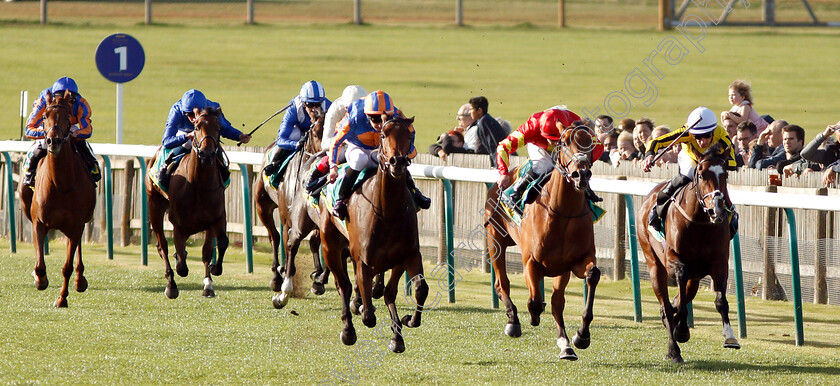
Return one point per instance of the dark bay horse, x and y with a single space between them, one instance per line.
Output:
63 197
696 245
299 219
381 233
196 203
556 237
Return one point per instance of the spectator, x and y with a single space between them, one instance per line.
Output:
464 120
485 133
603 127
793 139
740 96
451 142
505 124
626 150
824 149
746 134
641 133
610 154
768 146
671 156
731 127
627 125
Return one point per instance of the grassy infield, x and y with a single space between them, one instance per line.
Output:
124 330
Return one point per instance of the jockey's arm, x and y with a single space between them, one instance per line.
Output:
287 128
34 127
227 129
82 129
171 139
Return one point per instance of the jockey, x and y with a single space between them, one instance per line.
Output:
80 129
306 108
179 131
540 134
703 132
360 128
336 112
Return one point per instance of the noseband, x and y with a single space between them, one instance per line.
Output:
715 195
197 144
391 163
581 156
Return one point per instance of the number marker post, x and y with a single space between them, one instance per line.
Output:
120 58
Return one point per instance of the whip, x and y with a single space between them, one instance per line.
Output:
267 119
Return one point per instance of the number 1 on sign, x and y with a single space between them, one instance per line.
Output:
122 52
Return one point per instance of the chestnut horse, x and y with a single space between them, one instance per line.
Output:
196 203
556 237
696 245
299 219
63 197
381 232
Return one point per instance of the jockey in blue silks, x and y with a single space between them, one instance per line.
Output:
305 108
179 130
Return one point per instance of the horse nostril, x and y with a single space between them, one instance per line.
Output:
575 174
392 160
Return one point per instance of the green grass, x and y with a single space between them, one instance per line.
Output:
429 70
123 330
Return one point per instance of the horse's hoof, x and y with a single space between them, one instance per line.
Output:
378 291
396 347
513 330
317 288
348 337
208 293
731 343
369 322
356 308
681 333
276 283
182 269
60 302
41 283
568 354
216 269
81 284
676 359
314 275
171 292
407 322
535 320
279 300
580 342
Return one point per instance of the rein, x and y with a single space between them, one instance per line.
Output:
700 200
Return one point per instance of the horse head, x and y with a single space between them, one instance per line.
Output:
574 154
207 131
395 145
710 177
57 120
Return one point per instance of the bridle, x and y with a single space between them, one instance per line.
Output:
716 195
197 143
56 127
389 165
580 154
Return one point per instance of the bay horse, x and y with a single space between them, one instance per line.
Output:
299 219
556 237
381 233
63 197
196 203
696 245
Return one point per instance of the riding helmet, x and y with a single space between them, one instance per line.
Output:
312 91
701 121
193 99
379 102
65 83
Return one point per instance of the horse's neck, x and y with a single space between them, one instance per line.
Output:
64 167
563 197
687 200
388 196
202 176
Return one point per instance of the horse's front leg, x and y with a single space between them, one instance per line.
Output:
321 274
722 306
333 257
265 210
292 245
496 252
67 271
180 241
397 343
157 208
207 259
592 277
533 277
364 281
659 282
558 304
684 295
222 243
39 234
81 282
414 267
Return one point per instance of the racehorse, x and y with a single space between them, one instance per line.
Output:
63 197
299 219
381 232
696 244
556 237
196 203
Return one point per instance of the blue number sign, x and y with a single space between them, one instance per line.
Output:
120 58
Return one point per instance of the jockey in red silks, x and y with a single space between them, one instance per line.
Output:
361 129
540 135
80 128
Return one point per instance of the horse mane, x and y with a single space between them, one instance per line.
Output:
210 111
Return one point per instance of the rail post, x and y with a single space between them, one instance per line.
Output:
247 238
448 217
634 259
144 209
739 286
794 276
10 202
109 207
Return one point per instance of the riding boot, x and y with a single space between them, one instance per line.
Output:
169 165
591 196
224 170
34 157
276 161
512 201
89 159
541 179
662 199
315 181
422 201
344 192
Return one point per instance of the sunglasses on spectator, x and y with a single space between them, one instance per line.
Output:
707 135
313 104
375 118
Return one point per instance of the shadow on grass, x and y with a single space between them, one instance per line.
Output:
716 366
195 286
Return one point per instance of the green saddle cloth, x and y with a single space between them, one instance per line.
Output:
163 154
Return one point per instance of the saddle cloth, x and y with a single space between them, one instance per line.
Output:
160 161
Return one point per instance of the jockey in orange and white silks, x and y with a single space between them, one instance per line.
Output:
703 132
80 128
540 136
361 129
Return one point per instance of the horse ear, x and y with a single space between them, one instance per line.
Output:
410 120
49 97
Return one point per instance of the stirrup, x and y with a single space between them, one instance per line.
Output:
422 201
29 180
510 202
655 226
